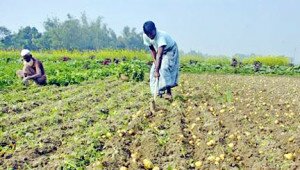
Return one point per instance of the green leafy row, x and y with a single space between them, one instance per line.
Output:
244 69
72 67
63 73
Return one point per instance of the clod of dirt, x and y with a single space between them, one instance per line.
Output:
46 149
104 111
99 147
149 114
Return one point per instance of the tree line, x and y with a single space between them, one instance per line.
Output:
73 33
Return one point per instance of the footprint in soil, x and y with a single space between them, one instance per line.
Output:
10 143
5 109
45 149
18 164
50 145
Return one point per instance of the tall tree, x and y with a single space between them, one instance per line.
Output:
73 33
130 39
27 37
4 32
5 37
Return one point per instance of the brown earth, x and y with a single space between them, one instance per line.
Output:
218 121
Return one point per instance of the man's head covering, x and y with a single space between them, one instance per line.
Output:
148 27
25 52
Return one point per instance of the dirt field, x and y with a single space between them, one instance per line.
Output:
214 122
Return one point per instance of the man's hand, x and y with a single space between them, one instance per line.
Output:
156 74
25 80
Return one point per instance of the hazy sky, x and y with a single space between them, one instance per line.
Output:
210 26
